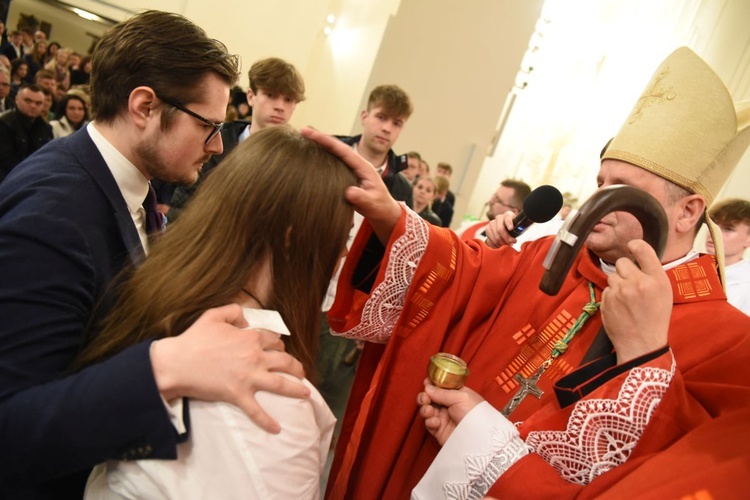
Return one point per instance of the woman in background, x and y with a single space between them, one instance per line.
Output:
81 75
74 115
266 231
52 49
424 194
35 59
18 71
59 65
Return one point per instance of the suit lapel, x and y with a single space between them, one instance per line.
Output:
91 159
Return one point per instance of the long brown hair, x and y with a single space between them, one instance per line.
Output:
277 194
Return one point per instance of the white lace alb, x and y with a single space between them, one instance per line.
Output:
383 308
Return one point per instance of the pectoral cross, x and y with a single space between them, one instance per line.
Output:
527 386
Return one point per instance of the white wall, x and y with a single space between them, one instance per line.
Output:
595 58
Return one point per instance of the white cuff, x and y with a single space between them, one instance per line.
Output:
174 410
483 446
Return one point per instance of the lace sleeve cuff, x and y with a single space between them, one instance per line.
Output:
484 445
383 308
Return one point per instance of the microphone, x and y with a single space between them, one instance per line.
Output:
540 205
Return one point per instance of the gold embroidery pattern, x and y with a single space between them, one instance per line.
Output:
691 281
536 348
657 94
425 305
523 334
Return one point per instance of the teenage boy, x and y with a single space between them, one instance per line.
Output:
412 167
733 217
388 109
275 89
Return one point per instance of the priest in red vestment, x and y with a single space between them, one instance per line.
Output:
606 410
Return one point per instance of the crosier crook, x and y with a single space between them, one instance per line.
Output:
578 225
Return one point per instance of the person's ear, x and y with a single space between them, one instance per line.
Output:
250 97
141 105
362 115
691 210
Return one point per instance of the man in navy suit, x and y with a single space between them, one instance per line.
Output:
71 219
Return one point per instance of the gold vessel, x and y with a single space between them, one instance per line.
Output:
447 371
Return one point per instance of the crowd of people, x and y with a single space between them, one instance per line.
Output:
157 341
43 94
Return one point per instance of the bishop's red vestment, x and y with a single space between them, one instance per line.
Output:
434 293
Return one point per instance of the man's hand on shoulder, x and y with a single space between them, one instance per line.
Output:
214 360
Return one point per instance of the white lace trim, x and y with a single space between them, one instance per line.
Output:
602 433
383 308
482 471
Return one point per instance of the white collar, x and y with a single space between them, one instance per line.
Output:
692 254
132 183
266 320
245 134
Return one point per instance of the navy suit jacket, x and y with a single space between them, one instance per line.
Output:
65 233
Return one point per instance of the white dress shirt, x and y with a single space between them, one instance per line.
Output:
738 285
132 183
227 456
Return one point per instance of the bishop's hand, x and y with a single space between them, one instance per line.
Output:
637 304
443 409
370 197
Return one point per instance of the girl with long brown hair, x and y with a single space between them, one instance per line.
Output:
266 230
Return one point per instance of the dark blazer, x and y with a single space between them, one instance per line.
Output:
444 210
65 233
19 137
401 190
10 103
8 51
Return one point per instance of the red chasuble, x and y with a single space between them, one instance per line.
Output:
472 232
436 293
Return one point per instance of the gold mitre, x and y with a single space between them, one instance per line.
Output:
685 129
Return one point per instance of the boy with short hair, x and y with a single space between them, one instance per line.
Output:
275 89
388 109
412 166
733 217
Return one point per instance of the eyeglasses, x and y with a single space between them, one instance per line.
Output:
217 127
497 200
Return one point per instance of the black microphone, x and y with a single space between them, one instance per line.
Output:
540 205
